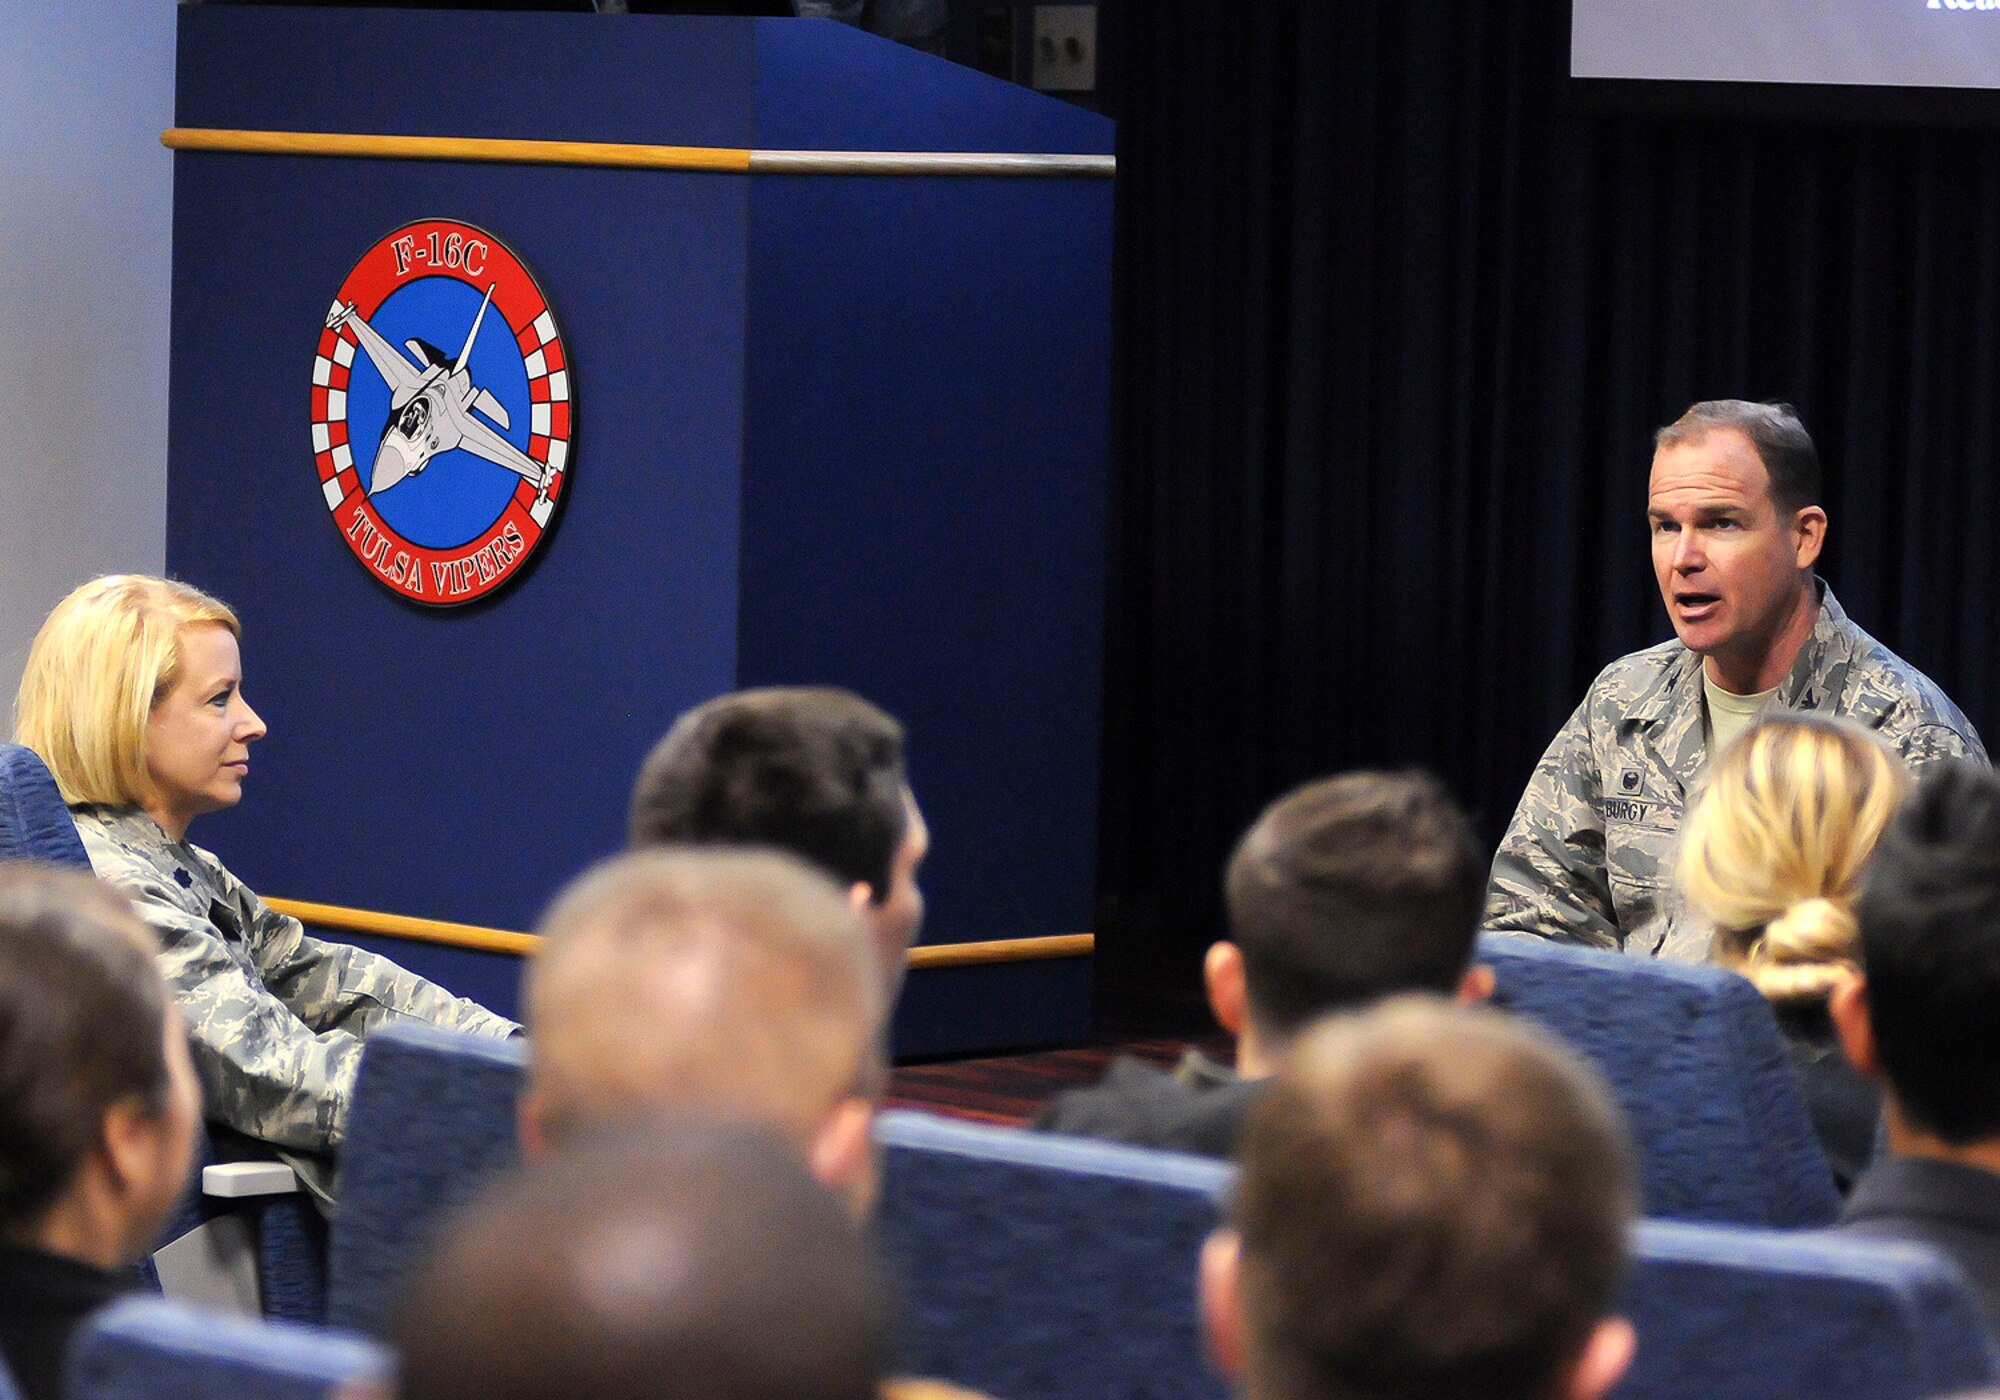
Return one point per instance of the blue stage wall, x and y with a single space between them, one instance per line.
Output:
956 574
829 429
682 81
459 764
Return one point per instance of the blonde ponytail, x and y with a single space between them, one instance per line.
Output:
1805 950
1773 854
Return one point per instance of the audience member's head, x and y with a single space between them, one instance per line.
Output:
1774 851
730 981
103 658
1345 891
811 770
98 1101
1433 1204
1923 1017
686 1258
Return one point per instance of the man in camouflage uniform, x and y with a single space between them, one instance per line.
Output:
276 1017
1735 529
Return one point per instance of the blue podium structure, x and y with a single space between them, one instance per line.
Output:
835 318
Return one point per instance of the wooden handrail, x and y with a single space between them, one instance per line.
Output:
493 940
731 159
335 916
999 950
469 148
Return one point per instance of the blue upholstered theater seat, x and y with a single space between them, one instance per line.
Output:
150 1349
1054 1267
1047 1267
1696 1059
34 823
433 1115
1733 1314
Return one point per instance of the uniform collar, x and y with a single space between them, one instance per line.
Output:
1819 676
1671 690
142 838
1814 680
132 821
1669 709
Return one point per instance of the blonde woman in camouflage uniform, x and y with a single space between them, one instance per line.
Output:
1772 859
133 697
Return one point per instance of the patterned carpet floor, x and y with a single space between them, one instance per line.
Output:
1009 1089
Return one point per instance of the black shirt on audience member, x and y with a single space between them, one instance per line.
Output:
44 1299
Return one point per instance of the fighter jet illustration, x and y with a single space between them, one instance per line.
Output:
431 405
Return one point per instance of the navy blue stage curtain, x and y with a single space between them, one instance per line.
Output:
1397 312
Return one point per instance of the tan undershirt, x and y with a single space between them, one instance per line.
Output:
1726 715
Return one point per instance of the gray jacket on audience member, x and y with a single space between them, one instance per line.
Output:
1924 1201
1200 1108
1589 855
276 1017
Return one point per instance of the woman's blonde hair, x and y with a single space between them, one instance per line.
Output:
102 660
1773 853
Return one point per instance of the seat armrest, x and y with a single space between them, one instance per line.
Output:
232 1180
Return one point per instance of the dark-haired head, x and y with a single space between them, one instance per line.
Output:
94 1075
688 1257
1930 948
812 770
809 769
1350 889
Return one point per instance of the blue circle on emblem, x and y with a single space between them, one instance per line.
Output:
459 495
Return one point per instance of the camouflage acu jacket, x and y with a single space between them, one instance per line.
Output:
1589 855
276 1017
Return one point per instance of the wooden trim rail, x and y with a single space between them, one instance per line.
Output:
1065 945
492 940
637 157
334 916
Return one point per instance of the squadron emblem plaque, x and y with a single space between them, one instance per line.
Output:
442 468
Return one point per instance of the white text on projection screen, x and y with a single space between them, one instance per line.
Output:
1872 43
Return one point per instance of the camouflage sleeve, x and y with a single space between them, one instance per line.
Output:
263 1071
337 987
1927 743
1549 877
